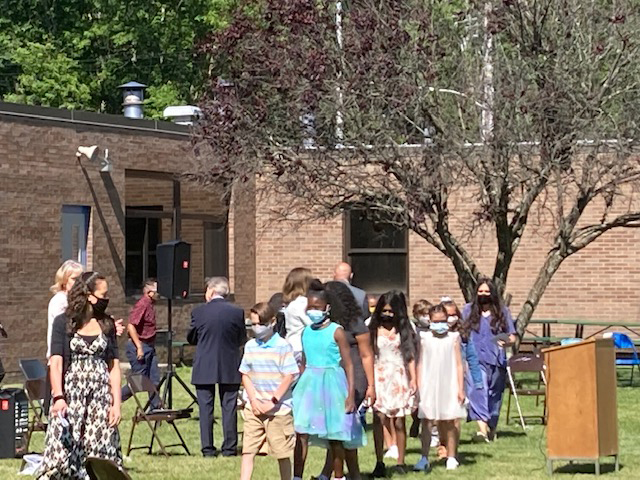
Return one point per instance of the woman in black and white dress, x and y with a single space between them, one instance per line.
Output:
85 380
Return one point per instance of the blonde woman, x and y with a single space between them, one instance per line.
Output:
66 275
294 297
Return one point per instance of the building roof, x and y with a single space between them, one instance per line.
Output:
79 117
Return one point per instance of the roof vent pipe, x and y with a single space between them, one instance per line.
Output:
132 99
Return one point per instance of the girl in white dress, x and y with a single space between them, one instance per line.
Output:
441 385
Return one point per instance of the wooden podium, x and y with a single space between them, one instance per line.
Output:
582 411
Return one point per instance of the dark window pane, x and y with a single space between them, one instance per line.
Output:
133 274
134 234
154 233
378 273
215 250
367 234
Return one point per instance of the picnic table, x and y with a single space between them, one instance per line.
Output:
580 324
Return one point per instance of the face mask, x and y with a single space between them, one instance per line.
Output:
262 331
317 316
100 306
371 310
484 299
439 327
386 317
452 320
424 320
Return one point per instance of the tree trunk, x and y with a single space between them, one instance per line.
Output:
546 273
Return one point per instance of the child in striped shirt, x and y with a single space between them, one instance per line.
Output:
268 369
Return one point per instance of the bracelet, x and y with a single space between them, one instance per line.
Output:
274 400
58 397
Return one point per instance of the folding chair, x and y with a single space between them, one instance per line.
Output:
141 384
626 353
35 386
532 363
103 469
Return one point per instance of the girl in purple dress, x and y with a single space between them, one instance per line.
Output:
488 318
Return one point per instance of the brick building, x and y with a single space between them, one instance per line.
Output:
55 207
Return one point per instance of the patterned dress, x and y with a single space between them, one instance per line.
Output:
320 395
88 394
393 396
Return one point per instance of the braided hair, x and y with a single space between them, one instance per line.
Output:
79 309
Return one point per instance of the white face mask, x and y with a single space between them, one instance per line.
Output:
452 320
262 331
424 320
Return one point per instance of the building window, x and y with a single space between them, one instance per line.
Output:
143 234
75 233
377 253
216 246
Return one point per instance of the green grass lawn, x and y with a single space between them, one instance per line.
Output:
514 455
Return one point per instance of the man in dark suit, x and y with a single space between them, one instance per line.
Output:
218 331
343 274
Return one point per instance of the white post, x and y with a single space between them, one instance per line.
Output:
486 127
339 119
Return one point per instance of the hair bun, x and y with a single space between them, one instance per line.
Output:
316 285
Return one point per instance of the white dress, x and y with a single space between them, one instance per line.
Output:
438 378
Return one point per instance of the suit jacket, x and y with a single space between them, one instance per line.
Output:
361 299
218 331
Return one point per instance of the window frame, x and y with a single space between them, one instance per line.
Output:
348 251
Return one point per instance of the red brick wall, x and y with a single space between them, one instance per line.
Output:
38 174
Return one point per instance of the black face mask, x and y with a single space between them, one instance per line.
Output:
100 307
484 299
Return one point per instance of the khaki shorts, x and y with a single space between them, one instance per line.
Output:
276 431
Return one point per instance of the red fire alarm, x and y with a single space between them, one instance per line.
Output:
4 405
185 264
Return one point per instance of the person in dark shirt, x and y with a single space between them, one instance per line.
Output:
141 348
85 381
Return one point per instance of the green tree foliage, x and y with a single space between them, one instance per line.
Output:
74 54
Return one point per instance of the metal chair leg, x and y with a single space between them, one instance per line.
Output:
184 445
509 405
153 437
133 427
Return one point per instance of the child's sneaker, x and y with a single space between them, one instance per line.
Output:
480 438
422 465
452 463
392 452
435 437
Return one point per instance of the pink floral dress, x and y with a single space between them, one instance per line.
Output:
393 396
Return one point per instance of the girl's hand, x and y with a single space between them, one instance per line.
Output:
413 387
370 395
349 405
114 415
60 408
461 397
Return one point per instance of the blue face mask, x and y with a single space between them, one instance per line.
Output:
317 316
439 327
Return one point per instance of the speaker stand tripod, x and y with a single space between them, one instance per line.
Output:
171 374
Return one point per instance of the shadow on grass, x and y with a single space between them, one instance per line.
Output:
465 458
586 468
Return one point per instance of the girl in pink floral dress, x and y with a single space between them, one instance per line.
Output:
394 346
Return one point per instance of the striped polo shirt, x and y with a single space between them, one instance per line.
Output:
266 364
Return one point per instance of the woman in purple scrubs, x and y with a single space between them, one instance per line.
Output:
488 319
